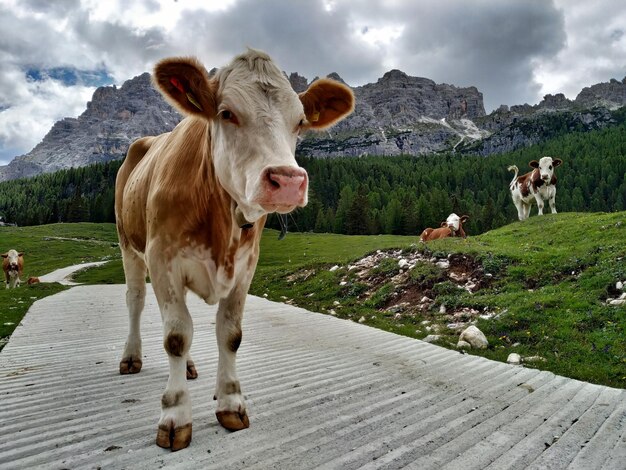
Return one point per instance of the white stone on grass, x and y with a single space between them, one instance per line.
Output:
475 337
514 358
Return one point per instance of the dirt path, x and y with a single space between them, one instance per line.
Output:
63 275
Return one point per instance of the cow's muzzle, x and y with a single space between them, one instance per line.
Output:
284 187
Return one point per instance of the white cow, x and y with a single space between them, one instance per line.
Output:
536 186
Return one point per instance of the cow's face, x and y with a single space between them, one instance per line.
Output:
546 166
255 119
454 222
12 260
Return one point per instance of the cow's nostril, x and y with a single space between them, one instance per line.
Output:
274 183
273 179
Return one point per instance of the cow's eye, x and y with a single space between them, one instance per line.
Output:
229 116
550 167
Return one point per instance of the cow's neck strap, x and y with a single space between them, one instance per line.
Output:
241 219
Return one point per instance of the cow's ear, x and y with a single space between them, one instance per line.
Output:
5 255
556 162
21 253
534 164
444 223
185 83
464 218
326 102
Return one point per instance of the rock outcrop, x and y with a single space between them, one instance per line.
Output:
113 119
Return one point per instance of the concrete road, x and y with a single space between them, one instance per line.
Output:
322 393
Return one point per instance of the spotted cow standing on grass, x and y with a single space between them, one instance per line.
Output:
13 266
191 204
536 186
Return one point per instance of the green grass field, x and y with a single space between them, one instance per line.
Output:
550 279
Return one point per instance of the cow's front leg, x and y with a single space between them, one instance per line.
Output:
174 428
231 406
539 200
553 205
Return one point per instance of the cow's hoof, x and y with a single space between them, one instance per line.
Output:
130 366
233 420
173 438
192 373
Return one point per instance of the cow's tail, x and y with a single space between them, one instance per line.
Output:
516 170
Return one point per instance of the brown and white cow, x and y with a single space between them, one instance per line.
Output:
13 266
451 227
535 186
191 205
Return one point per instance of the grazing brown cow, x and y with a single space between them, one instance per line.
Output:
191 204
13 266
451 227
535 186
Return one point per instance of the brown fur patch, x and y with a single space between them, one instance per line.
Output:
435 234
524 185
232 387
234 341
175 344
536 180
170 400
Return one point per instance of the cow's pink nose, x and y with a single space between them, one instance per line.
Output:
285 185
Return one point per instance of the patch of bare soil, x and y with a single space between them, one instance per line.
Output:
415 277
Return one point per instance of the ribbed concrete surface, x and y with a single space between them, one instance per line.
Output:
322 393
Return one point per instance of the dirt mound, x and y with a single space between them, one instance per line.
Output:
409 283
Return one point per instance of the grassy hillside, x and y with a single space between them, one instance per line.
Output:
543 282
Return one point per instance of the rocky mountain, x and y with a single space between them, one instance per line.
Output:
521 126
398 114
113 119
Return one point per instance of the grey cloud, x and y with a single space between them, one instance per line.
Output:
489 45
57 8
301 36
126 52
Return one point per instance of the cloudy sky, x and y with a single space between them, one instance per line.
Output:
53 53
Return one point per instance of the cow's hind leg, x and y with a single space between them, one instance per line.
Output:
135 272
231 407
